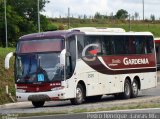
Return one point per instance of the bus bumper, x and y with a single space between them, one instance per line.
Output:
41 96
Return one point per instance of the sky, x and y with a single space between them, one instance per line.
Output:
57 8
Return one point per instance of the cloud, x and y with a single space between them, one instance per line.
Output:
77 7
58 8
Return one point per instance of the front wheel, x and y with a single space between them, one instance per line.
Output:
134 92
79 95
38 103
127 90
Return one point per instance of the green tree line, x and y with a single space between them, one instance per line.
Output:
121 14
21 19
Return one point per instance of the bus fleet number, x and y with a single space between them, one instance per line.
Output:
90 75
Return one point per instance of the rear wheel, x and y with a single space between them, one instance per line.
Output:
127 90
38 103
134 91
79 95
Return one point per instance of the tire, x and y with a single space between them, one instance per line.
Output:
127 90
79 95
38 103
134 91
93 98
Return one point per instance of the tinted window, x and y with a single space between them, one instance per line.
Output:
107 45
149 44
118 45
93 40
71 48
140 45
80 44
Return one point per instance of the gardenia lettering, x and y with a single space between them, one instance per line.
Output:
127 61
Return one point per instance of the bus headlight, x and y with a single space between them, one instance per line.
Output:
20 90
57 88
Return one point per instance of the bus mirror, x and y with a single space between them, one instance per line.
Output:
62 57
7 59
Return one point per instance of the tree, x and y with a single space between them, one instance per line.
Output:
85 16
97 15
152 17
136 15
21 19
121 14
28 8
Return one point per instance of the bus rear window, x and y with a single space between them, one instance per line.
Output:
45 45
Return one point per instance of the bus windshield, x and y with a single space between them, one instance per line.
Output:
38 67
38 60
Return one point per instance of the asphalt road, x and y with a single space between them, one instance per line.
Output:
118 114
65 106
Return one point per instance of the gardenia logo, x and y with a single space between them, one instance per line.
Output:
92 52
128 61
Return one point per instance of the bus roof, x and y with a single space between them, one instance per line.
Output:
48 34
119 33
94 29
157 40
81 30
107 31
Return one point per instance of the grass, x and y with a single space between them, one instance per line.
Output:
6 76
153 27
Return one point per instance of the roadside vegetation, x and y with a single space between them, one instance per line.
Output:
133 25
6 77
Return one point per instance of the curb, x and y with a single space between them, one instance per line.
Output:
16 104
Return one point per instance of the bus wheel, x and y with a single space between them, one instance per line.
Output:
134 91
127 90
38 103
79 95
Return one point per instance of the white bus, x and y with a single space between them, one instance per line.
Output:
82 64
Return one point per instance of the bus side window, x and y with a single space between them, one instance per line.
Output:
149 44
107 45
140 45
119 45
80 45
68 66
93 40
131 45
71 49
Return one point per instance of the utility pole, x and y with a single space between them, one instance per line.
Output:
39 27
68 18
5 22
143 9
129 22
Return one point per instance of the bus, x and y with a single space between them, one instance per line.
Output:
83 64
157 46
